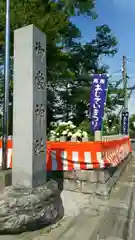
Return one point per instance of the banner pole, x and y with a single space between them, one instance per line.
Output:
6 86
105 105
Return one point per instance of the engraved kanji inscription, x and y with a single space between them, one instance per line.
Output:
40 110
40 80
40 50
38 146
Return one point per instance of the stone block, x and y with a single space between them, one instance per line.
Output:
102 190
62 139
5 178
105 188
87 187
73 139
93 176
103 175
82 175
85 139
99 181
72 185
70 174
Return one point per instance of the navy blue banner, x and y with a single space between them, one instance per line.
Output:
97 101
124 123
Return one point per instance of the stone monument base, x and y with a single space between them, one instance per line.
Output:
24 209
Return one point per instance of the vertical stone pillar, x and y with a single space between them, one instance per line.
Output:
29 109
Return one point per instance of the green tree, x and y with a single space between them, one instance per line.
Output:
132 126
83 61
111 124
69 63
53 18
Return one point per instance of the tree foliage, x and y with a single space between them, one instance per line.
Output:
69 62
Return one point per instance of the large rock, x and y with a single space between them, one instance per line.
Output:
23 209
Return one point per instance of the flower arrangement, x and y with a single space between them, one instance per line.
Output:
67 130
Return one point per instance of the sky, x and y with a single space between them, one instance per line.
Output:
119 15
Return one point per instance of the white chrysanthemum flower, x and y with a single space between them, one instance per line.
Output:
78 134
85 134
69 122
57 139
54 124
52 132
64 133
72 126
53 137
69 134
57 134
74 135
62 123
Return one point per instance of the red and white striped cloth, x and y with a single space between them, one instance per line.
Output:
85 155
115 157
9 153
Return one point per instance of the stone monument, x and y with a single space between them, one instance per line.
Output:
31 201
29 109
